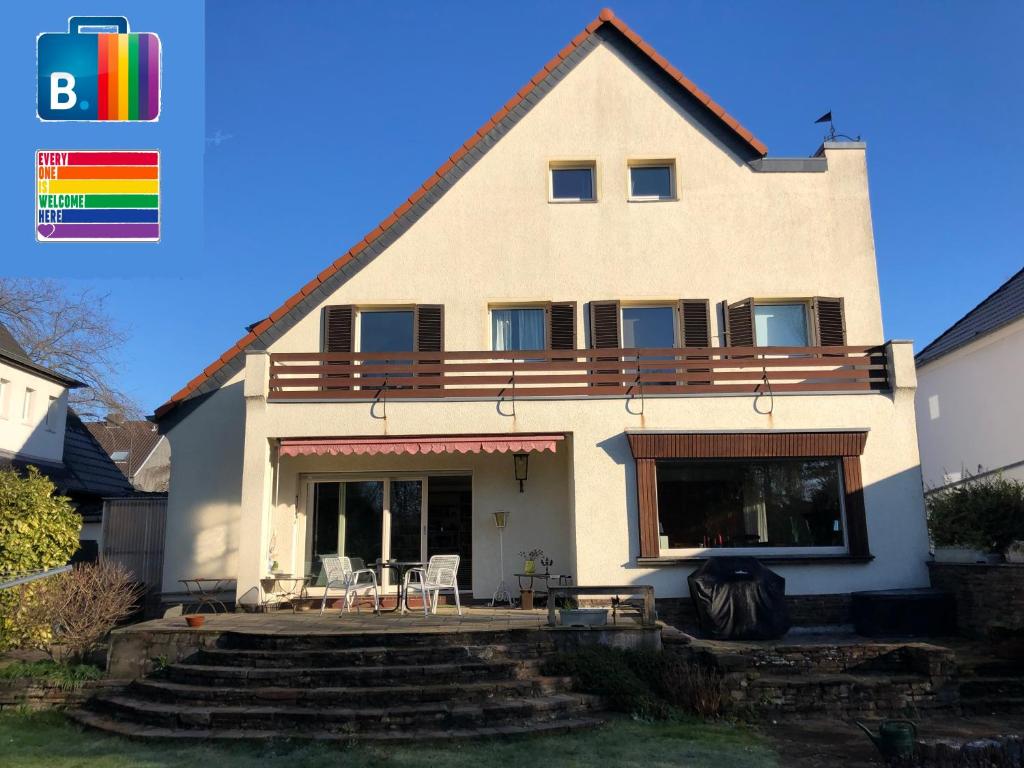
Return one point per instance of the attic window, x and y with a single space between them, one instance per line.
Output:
572 182
119 456
652 180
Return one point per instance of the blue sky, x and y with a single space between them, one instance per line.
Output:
329 114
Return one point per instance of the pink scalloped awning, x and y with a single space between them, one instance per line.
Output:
370 446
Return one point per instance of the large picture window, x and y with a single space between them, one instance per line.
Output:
749 503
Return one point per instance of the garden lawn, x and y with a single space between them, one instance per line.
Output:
47 740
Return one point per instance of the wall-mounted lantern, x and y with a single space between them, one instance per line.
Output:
521 462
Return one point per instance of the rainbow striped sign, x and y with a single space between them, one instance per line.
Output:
97 196
98 75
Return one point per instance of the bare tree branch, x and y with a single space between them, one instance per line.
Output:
73 334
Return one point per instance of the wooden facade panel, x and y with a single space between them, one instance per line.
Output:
647 503
725 445
856 514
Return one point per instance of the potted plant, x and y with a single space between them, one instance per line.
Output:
977 520
530 560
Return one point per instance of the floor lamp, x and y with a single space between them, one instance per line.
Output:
501 593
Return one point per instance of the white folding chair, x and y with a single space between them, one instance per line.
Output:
339 573
440 575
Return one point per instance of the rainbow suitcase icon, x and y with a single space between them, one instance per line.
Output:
89 74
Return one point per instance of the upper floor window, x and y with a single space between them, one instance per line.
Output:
652 180
390 330
51 414
572 183
781 325
648 327
5 396
517 328
26 404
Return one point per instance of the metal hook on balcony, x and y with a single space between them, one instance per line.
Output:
639 386
766 383
380 398
501 395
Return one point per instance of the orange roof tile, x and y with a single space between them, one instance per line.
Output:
606 16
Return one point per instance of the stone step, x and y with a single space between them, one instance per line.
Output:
343 657
166 691
993 705
342 719
203 674
133 730
986 687
539 641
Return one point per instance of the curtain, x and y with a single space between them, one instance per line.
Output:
515 329
531 329
501 329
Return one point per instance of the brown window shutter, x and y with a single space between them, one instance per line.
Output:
830 322
695 329
337 334
428 334
604 324
739 324
604 333
856 519
338 325
695 322
647 505
561 325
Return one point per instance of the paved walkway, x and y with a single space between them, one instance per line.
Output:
284 622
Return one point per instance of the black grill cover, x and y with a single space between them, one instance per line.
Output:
737 598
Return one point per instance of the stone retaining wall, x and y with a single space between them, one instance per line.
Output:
28 693
997 752
989 598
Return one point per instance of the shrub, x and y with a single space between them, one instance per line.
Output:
985 513
38 530
68 676
83 606
644 684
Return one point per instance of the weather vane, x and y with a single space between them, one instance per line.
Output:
832 135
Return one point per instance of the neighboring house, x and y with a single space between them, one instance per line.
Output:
37 428
139 450
609 211
970 411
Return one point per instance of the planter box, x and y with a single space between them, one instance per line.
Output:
583 617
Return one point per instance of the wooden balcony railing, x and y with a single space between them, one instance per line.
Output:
575 373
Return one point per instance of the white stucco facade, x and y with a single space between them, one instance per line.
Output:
494 239
970 410
33 409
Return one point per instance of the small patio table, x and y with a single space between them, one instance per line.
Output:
284 587
399 567
204 591
559 579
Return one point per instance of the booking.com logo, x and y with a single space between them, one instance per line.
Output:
98 71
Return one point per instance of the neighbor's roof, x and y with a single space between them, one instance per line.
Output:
14 353
136 439
1002 307
379 238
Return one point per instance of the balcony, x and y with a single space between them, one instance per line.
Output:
580 373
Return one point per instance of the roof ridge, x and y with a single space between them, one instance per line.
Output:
967 316
606 16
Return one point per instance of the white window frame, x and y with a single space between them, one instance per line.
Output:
812 332
50 418
670 163
572 165
5 397
765 551
27 405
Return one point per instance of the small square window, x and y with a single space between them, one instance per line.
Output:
652 181
572 184
781 325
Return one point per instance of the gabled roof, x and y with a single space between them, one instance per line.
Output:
1002 307
605 28
135 439
12 352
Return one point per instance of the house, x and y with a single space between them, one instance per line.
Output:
969 409
609 313
138 449
37 428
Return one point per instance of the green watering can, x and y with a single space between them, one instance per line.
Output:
895 737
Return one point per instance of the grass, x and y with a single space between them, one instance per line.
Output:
67 676
38 740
